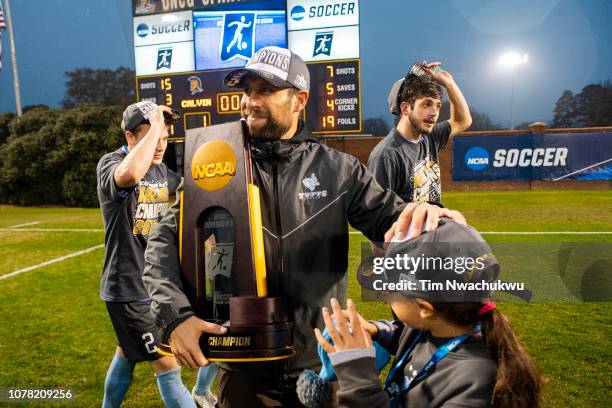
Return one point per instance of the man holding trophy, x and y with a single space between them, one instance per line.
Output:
310 194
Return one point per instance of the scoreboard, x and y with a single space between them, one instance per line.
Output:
334 103
198 104
184 49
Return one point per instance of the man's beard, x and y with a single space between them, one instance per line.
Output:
420 127
273 130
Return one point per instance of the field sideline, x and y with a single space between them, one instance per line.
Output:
55 332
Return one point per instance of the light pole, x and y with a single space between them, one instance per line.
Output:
512 59
9 20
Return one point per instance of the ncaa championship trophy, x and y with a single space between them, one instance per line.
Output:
221 249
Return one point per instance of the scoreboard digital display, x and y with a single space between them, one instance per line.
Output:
229 39
334 104
200 103
183 53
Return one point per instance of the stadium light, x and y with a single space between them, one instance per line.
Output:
512 59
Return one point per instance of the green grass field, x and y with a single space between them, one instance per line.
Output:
55 332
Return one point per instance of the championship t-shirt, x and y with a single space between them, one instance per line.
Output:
410 168
129 215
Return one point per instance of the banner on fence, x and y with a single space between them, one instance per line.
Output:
530 157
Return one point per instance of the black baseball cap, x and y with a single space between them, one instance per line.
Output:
138 113
279 66
442 254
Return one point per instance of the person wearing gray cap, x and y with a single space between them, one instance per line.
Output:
406 160
452 346
310 193
133 187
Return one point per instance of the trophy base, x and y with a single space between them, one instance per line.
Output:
250 343
258 330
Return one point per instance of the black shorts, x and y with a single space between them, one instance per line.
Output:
136 331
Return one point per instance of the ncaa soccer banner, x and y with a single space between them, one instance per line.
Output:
527 157
163 29
307 14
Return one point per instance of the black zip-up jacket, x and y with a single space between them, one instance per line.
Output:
310 193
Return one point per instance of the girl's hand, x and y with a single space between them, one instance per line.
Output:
343 338
365 324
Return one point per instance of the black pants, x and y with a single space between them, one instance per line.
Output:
261 385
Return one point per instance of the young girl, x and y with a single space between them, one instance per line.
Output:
450 354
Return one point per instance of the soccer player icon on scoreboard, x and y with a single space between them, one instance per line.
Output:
237 40
164 58
406 160
323 48
133 187
238 36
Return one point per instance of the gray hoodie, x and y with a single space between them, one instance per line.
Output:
464 378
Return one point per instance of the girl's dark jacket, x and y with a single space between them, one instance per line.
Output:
464 378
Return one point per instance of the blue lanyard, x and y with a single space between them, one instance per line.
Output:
394 389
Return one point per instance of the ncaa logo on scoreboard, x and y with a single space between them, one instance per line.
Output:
237 37
164 58
298 13
477 158
160 29
323 43
142 30
334 13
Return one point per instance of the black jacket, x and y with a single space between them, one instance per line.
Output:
310 193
